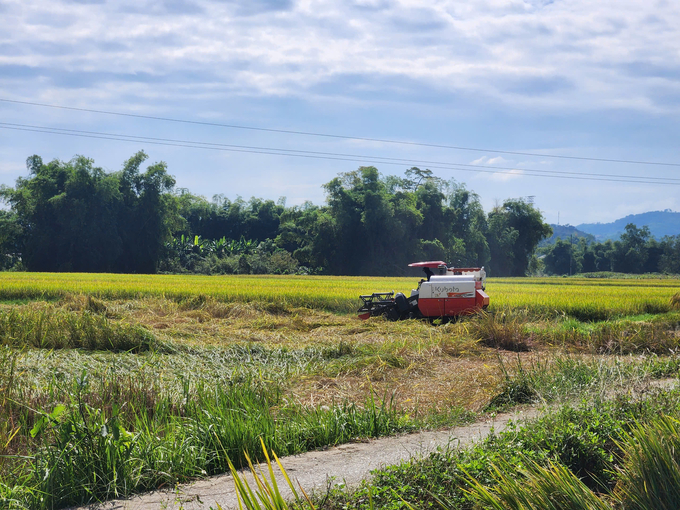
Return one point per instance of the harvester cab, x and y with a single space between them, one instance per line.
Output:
448 292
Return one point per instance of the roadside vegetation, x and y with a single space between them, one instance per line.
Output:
615 453
112 384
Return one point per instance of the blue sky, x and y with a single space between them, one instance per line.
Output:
577 78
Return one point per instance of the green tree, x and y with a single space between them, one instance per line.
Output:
11 236
308 233
670 259
67 212
515 229
655 251
630 253
469 225
149 214
562 258
375 231
73 216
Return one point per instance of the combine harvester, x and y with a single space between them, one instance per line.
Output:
448 292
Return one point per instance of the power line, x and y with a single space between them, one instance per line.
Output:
333 156
362 157
343 137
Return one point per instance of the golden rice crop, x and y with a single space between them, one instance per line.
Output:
586 298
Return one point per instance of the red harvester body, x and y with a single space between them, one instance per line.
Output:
448 292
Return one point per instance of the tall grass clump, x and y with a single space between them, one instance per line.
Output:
560 378
650 474
535 487
77 453
53 328
615 337
675 301
648 478
501 330
266 495
520 330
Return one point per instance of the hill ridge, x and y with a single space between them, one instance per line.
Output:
660 223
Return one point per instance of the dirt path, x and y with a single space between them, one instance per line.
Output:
348 464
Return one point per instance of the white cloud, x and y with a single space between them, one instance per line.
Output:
613 53
506 175
496 160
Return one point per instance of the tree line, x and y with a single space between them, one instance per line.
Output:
635 252
74 216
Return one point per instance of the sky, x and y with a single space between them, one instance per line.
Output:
274 98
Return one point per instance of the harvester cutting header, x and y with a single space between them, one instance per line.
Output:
447 292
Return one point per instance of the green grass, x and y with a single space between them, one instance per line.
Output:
650 472
565 378
535 487
81 426
581 438
518 330
113 437
647 476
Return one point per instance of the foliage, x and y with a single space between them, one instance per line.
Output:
267 495
83 453
560 259
636 252
536 487
576 448
650 474
73 216
52 328
515 229
228 256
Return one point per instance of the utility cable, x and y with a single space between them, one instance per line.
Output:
327 156
343 137
362 157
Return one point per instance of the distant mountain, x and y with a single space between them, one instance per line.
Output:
565 232
660 223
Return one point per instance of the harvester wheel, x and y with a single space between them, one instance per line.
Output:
392 314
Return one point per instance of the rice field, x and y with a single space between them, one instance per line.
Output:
583 298
168 360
